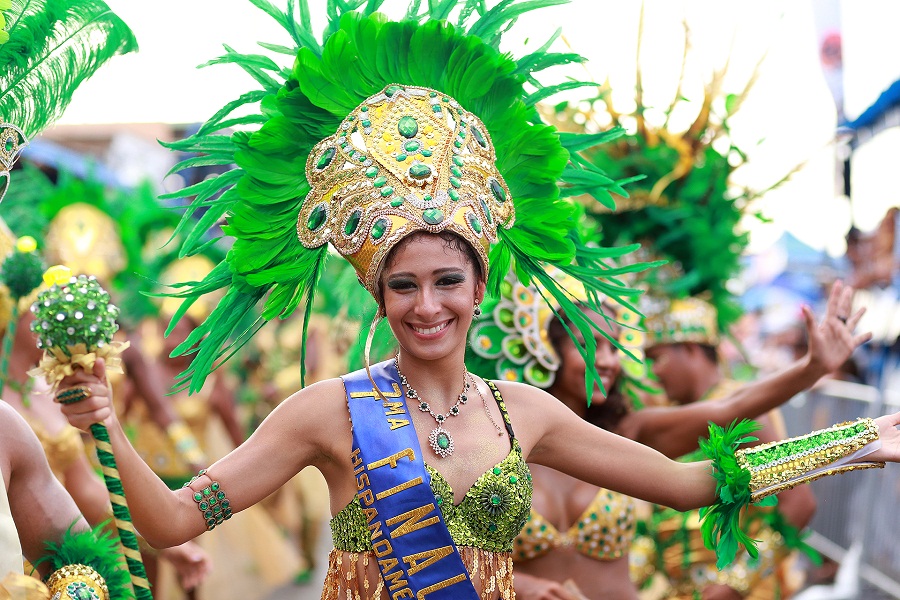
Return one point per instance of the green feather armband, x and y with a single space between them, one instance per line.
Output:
749 476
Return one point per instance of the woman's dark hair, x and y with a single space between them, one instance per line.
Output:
606 415
452 241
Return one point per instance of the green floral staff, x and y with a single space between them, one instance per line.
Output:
75 323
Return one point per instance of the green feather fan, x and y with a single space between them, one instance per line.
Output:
53 46
361 53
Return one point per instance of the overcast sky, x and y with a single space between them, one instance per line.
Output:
790 108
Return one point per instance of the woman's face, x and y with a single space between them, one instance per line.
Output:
430 288
569 384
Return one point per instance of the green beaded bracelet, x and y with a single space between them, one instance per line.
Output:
211 501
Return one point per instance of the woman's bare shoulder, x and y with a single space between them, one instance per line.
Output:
322 398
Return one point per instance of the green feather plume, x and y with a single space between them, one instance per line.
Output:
361 53
721 525
97 549
53 46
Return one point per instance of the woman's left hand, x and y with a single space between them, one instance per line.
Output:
889 436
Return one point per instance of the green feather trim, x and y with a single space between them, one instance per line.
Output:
721 525
360 55
97 549
53 46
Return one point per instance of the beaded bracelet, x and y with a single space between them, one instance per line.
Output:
211 501
777 466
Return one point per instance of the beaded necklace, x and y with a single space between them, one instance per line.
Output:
440 439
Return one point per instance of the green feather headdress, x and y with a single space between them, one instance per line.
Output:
360 54
50 48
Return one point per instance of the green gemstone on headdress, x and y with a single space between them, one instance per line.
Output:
411 146
401 157
316 217
479 137
487 211
353 222
364 108
379 228
396 202
457 172
386 191
454 195
497 190
391 90
372 171
326 157
457 143
425 152
458 160
419 171
455 182
380 181
366 123
433 216
474 223
435 108
497 470
407 126
506 318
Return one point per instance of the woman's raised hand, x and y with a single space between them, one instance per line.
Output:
85 397
832 341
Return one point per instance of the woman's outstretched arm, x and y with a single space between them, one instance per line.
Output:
292 437
552 435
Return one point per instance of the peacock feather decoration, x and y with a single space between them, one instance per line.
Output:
444 55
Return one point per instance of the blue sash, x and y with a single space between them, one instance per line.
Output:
416 555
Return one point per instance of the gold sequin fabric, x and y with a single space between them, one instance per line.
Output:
604 531
355 575
407 159
489 517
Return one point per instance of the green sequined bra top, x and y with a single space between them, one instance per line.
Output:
489 517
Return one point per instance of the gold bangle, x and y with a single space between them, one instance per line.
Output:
185 443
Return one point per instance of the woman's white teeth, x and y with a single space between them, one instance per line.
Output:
431 330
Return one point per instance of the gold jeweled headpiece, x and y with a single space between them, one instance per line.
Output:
682 321
407 159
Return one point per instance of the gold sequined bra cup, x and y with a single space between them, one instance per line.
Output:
604 531
483 526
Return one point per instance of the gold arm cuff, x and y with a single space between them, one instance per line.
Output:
781 465
789 485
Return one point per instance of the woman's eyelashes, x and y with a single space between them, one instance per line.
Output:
454 279
401 284
408 284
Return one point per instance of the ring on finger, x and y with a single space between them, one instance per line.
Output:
74 394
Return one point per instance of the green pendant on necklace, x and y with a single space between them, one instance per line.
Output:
440 441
